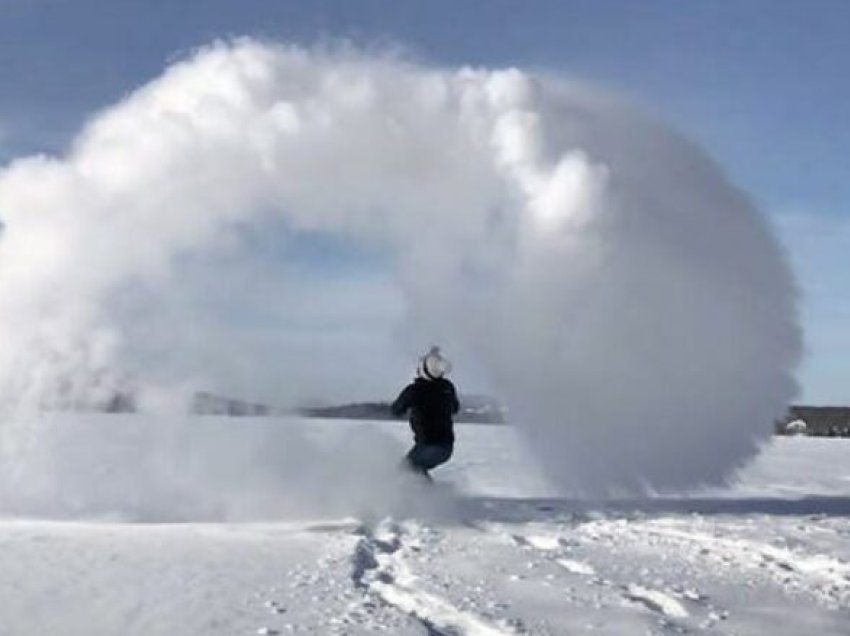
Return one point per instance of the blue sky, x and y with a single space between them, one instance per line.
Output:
762 85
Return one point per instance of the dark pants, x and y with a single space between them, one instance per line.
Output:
424 457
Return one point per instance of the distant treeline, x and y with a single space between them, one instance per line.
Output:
474 409
816 421
202 403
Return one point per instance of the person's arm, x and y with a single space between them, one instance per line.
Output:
402 402
455 401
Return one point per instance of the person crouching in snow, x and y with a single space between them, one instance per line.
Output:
432 401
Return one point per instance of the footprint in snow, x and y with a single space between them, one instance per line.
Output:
656 601
576 567
538 541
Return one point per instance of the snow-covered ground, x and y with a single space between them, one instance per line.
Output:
488 550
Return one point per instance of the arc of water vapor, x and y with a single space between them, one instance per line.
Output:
629 304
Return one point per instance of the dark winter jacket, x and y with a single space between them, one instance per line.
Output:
432 404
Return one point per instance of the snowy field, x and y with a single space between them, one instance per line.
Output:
212 537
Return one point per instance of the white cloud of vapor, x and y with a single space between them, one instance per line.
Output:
629 304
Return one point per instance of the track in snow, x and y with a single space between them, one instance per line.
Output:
381 568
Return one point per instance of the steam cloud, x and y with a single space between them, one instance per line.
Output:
629 305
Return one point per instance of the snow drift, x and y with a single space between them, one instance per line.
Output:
627 302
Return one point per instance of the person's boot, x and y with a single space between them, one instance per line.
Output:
417 470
